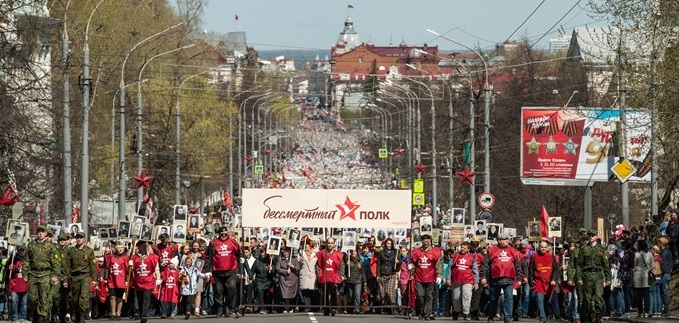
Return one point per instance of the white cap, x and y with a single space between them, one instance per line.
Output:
174 261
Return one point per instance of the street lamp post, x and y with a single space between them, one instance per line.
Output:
66 129
139 152
487 93
121 176
434 187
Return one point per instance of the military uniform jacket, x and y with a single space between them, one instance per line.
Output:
81 262
592 259
42 260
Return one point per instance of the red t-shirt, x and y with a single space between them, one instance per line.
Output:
502 262
425 264
17 284
142 272
461 269
329 264
117 270
225 254
542 273
164 254
170 290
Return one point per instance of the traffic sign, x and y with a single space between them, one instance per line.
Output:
259 169
486 200
485 214
623 169
383 153
418 199
418 185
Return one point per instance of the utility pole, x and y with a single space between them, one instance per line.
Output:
85 160
66 131
472 156
624 188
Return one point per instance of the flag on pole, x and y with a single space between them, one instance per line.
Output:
236 17
544 218
350 6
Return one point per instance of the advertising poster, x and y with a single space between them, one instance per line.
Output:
578 146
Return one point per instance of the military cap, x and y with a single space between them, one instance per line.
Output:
50 231
425 236
582 231
42 227
592 232
64 236
80 234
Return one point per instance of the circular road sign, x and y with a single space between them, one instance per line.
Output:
486 200
485 214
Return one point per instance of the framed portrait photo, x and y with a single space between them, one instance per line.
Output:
180 212
123 229
17 233
274 246
179 231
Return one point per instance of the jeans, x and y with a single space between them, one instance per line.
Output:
665 293
656 303
444 297
541 306
627 295
354 294
495 297
19 306
617 301
572 298
525 298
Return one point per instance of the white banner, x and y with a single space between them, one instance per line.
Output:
389 209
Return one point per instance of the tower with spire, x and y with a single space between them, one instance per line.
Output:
347 40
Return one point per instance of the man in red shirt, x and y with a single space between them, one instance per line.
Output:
500 271
427 264
543 276
222 257
145 277
464 278
115 274
329 267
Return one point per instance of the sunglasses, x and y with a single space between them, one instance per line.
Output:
223 233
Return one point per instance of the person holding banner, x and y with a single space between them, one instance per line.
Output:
145 277
427 264
328 269
43 270
222 258
387 265
115 276
81 271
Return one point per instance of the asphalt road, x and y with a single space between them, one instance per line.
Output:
318 317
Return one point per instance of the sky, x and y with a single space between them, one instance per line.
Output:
316 24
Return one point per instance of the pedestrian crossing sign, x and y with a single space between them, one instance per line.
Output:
418 185
383 153
259 169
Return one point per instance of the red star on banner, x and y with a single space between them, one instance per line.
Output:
421 168
400 150
248 159
347 209
143 180
466 175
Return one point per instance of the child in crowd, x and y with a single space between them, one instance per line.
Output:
169 293
188 278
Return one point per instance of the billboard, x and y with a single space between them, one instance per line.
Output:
389 209
577 146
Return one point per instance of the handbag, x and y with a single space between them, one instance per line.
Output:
649 272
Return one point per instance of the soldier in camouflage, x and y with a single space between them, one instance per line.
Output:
81 271
60 306
592 273
43 269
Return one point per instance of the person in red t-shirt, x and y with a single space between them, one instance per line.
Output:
427 264
169 294
542 276
222 258
145 277
464 278
500 271
18 286
115 274
328 269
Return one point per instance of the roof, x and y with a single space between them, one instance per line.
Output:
597 45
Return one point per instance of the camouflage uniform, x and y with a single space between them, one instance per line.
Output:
42 266
62 297
81 271
593 269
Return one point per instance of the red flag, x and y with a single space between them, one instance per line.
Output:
236 17
10 196
544 218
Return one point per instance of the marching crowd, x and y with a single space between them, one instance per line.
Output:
580 280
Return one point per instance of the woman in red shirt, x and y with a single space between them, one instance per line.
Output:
18 286
115 265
